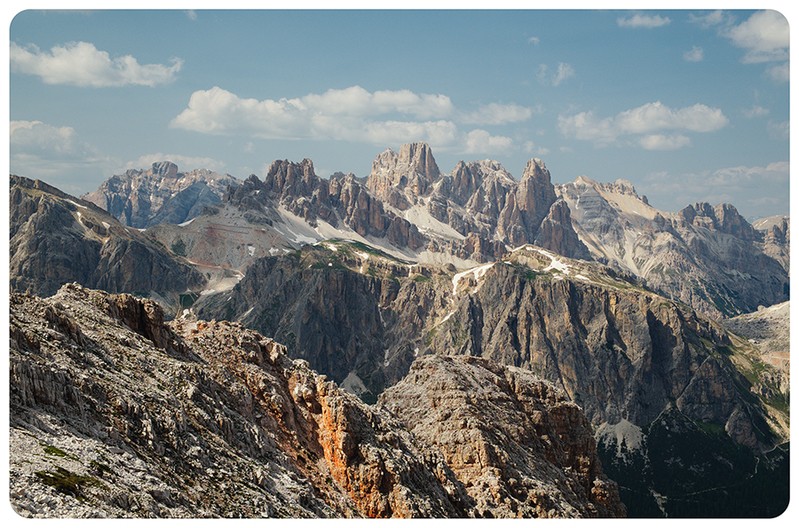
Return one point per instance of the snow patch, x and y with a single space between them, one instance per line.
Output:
77 205
445 319
477 273
624 433
352 383
251 250
426 223
555 263
187 222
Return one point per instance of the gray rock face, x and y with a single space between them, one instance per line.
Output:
115 414
56 238
776 239
507 436
400 179
708 257
141 198
614 347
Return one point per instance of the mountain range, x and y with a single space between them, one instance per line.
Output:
503 335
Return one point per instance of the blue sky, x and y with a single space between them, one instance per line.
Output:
688 105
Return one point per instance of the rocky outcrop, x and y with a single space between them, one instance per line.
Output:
507 436
56 238
557 234
115 414
768 329
141 198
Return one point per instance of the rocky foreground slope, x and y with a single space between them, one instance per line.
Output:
115 413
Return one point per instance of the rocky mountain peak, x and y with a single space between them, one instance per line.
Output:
166 169
723 217
142 198
399 178
290 178
537 169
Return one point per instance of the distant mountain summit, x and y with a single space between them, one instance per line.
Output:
708 257
160 194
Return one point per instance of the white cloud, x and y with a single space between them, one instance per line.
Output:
185 163
81 64
755 111
643 21
695 54
191 14
356 101
535 41
779 73
711 19
765 36
664 142
349 114
732 176
37 138
481 142
562 72
645 120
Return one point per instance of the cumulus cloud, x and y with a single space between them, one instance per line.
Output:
82 64
34 138
639 20
711 19
644 122
765 36
535 41
562 72
479 141
349 114
695 54
664 142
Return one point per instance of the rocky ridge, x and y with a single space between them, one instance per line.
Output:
708 257
116 414
57 238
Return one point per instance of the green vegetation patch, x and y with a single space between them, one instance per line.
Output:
67 482
54 451
179 247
